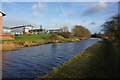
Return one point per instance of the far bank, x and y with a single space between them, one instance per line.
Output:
35 40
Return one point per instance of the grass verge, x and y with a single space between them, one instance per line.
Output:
99 61
33 40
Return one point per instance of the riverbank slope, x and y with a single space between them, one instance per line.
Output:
34 40
99 61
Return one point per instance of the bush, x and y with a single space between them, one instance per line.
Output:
60 37
65 34
53 37
81 31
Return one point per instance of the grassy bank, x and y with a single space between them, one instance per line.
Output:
102 60
33 40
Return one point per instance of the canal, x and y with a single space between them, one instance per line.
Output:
31 62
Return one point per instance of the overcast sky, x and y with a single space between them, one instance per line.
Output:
57 14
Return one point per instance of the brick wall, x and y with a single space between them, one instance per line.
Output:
7 37
4 36
0 25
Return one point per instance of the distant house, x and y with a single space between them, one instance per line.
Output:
6 30
54 30
22 29
38 31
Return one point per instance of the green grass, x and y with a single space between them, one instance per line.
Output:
61 38
32 37
99 61
36 37
33 40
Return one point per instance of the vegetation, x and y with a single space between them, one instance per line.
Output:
27 40
91 63
80 31
30 37
98 35
112 28
65 34
54 37
94 61
38 37
34 40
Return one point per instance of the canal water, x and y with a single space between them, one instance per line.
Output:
31 62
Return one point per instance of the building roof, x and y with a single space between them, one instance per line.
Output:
21 26
5 27
54 29
2 13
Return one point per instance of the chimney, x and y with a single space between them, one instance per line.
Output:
41 27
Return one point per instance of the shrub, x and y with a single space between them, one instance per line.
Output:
65 34
53 37
81 31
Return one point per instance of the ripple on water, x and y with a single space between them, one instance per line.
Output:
31 62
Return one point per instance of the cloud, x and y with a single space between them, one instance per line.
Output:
86 22
39 6
93 23
35 13
16 21
100 6
70 13
64 13
0 6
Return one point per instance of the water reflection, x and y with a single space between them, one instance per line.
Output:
54 45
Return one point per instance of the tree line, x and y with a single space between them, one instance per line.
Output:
111 28
78 31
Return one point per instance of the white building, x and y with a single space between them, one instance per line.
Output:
21 29
38 31
54 30
6 30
